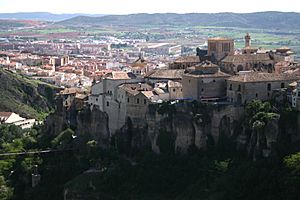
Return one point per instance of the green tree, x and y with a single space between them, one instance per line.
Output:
5 191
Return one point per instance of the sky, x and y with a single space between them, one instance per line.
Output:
147 6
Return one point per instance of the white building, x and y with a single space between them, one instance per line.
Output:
13 118
296 97
104 95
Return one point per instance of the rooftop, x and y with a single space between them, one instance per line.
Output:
135 88
70 91
148 94
219 39
202 74
262 77
5 114
242 58
183 59
207 69
165 74
119 75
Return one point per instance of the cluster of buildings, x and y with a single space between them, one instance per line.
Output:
123 83
219 75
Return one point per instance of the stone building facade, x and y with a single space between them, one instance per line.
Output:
105 93
296 97
164 75
205 82
185 62
219 47
247 86
255 59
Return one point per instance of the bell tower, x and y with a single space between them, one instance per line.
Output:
247 40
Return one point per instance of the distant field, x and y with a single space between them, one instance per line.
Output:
268 39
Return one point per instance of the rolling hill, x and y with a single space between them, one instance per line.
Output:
8 23
40 16
264 20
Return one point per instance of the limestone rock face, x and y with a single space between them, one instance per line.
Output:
187 129
89 124
95 124
262 141
185 133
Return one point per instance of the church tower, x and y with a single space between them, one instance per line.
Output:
247 40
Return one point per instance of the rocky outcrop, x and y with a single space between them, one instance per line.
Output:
261 142
94 124
182 127
87 124
185 129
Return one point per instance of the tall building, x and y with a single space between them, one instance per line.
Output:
247 40
219 47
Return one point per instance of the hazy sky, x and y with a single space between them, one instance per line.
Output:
147 6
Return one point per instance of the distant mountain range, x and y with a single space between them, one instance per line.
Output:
41 16
264 20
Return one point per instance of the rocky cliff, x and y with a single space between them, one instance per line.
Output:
185 126
88 125
179 128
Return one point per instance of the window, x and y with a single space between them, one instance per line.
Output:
213 46
107 103
145 101
96 99
174 90
137 100
269 86
189 81
202 89
230 87
268 94
226 47
128 99
214 80
256 95
282 85
239 88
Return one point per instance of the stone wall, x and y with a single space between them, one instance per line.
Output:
241 92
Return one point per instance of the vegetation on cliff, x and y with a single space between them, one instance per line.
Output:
81 169
29 98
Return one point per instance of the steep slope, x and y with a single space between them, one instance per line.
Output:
26 97
273 20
